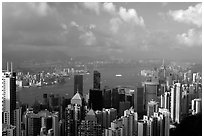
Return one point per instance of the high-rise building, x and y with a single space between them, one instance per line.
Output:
115 98
17 122
99 116
151 108
8 130
55 124
77 99
184 104
69 121
178 102
141 128
95 99
45 101
107 98
164 118
78 84
196 106
151 92
96 80
167 96
62 127
50 132
32 124
139 100
8 96
126 125
89 126
74 115
123 106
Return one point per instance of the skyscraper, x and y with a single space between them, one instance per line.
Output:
196 106
32 124
107 98
151 108
178 102
78 84
89 126
96 80
115 98
17 122
95 99
8 96
139 100
151 92
8 130
74 115
69 121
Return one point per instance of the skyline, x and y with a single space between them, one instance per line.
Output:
128 30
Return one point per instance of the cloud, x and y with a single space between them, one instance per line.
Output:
41 9
192 15
94 6
130 15
31 24
164 4
73 23
191 38
115 24
92 26
84 33
89 38
109 7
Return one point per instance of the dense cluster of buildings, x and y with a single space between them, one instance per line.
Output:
151 109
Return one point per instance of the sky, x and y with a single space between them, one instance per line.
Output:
127 30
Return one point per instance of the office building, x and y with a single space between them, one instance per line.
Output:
78 84
8 96
196 106
55 124
184 104
115 98
178 103
62 127
8 130
17 120
45 101
77 99
107 98
123 106
69 121
126 125
173 103
32 124
139 100
150 92
99 116
96 80
151 108
89 126
164 119
95 99
141 128
74 115
50 132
